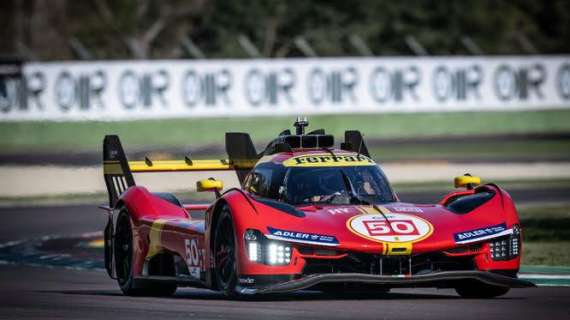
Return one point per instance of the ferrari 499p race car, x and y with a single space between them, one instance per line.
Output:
306 216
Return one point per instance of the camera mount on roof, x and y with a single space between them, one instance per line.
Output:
300 125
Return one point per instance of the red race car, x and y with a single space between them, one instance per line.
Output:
307 216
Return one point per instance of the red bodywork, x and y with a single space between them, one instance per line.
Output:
160 226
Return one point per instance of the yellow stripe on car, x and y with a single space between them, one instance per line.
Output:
328 160
398 249
154 236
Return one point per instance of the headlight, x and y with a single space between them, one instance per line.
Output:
253 251
278 253
515 240
262 250
506 248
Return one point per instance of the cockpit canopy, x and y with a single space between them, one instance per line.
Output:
335 184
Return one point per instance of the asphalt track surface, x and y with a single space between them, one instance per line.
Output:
58 293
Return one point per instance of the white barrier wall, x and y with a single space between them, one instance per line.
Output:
123 90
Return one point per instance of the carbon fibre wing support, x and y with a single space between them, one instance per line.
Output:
116 170
240 149
353 141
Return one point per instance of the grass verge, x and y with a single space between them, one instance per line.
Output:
556 253
502 150
87 136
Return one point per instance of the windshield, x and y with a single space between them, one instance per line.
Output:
337 185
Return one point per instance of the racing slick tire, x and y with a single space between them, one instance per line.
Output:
479 290
123 245
225 253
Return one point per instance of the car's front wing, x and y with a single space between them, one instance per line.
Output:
432 279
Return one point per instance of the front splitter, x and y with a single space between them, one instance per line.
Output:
390 281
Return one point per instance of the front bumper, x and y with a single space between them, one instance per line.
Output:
435 279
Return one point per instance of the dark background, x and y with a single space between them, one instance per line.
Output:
129 29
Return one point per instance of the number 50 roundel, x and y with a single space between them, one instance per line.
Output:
401 227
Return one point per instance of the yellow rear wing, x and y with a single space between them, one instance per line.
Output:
114 167
118 171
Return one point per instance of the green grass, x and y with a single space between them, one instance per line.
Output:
87 136
546 253
546 223
480 150
545 211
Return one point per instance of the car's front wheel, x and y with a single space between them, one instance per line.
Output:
225 253
479 290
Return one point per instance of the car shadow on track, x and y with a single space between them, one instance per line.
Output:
200 294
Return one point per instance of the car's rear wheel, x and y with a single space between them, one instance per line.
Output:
479 290
123 245
225 253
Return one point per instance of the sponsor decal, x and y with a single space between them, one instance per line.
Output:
399 228
335 211
302 237
482 233
154 236
328 160
194 257
246 280
406 209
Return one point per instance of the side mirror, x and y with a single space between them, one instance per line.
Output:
467 181
210 184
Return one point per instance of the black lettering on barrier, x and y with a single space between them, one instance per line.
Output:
459 84
10 88
33 89
563 81
82 91
394 85
268 87
334 87
207 88
519 83
143 89
96 88
21 92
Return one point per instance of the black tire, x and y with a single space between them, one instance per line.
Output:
479 290
123 245
225 253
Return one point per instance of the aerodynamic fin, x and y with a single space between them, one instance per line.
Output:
353 141
116 170
240 149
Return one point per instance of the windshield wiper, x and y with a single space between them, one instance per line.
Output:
351 192
355 196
